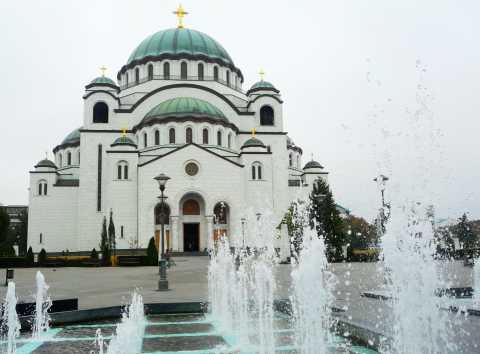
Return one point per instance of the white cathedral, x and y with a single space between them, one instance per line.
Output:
177 108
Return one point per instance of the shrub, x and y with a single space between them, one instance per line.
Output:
152 253
30 258
42 257
6 250
94 254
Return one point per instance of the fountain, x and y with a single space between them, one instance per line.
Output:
312 297
476 283
10 319
128 337
42 305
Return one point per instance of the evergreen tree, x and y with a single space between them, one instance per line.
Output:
42 257
325 217
465 233
111 234
94 254
4 224
30 259
104 244
152 253
295 220
22 232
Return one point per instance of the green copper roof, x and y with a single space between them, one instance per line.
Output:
176 41
102 80
185 106
253 142
46 163
312 164
124 140
262 85
73 137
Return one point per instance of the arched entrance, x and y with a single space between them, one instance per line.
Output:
221 216
162 213
193 235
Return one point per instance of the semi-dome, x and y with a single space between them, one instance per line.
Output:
253 142
262 85
124 140
46 163
72 138
312 164
179 43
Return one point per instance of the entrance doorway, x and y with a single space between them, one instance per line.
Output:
191 237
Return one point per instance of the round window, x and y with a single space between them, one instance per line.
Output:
191 168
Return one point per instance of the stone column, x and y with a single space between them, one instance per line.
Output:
209 232
174 232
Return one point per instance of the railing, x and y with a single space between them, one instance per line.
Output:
294 183
181 78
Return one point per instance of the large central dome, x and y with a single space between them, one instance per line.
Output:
176 42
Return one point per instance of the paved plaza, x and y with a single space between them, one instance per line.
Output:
103 287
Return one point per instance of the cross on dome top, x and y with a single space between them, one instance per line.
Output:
262 74
180 15
103 68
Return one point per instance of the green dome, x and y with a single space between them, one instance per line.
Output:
262 85
177 41
72 138
185 106
312 164
253 142
103 80
46 163
124 140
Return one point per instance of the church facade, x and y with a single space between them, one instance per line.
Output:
177 107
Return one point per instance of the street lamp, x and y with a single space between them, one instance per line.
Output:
163 282
243 220
381 185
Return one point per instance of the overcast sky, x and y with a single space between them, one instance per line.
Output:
356 77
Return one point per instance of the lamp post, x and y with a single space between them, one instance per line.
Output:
381 185
163 282
243 220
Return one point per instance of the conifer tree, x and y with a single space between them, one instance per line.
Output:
104 244
325 217
152 253
111 234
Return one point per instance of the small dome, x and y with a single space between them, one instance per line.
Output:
102 80
253 142
312 164
46 163
185 106
124 140
262 85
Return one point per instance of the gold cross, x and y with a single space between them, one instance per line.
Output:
103 69
262 74
46 155
124 132
180 14
253 132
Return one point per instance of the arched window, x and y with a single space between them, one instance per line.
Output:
219 138
183 71
256 171
166 71
122 170
145 140
79 157
42 187
41 238
157 137
290 161
60 160
100 112
162 211
228 78
200 71
188 135
191 207
69 158
150 71
171 136
298 161
266 115
229 140
205 135
221 213
215 73
137 76
126 79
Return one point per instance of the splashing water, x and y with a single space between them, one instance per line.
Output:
99 342
476 283
10 319
241 293
312 296
129 333
42 305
